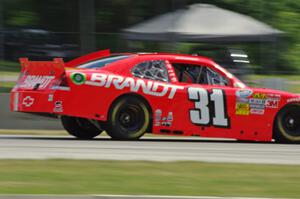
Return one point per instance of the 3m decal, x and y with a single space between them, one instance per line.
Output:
28 101
242 109
32 80
148 87
272 103
210 108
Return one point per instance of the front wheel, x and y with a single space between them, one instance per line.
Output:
287 125
80 127
128 119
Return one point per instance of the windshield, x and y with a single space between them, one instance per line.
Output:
214 78
103 61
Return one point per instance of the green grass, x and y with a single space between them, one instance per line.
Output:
292 82
294 88
9 68
137 177
287 77
5 87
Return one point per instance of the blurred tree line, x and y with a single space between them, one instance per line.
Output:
110 16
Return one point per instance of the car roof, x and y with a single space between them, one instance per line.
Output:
174 57
141 56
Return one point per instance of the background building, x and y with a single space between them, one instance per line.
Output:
54 28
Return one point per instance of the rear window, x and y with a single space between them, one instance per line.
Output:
103 61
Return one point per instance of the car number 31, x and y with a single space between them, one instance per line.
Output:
209 108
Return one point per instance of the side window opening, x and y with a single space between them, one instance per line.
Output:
188 73
214 78
154 70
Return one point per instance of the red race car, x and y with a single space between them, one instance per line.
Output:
129 94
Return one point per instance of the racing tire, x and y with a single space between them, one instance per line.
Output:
80 128
128 119
287 124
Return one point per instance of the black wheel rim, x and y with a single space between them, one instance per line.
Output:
130 118
291 122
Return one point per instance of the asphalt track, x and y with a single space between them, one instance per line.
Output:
14 120
148 149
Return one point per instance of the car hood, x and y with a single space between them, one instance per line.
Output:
288 96
272 91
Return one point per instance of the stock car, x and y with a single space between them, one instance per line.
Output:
129 94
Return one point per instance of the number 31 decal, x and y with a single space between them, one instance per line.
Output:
210 108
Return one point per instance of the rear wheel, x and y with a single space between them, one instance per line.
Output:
128 119
80 127
287 125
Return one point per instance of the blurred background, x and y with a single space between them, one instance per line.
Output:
259 41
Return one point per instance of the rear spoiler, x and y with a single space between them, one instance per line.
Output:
39 75
86 58
53 68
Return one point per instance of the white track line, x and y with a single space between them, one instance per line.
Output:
107 196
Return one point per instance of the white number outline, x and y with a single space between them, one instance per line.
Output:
209 106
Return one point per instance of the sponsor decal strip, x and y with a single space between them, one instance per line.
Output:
248 102
58 107
243 93
297 99
242 109
257 111
32 80
119 82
